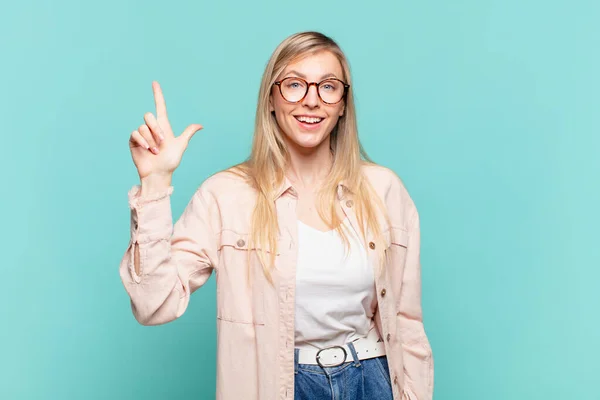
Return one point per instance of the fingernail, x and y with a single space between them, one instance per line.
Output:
154 150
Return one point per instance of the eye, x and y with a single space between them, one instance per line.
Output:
294 84
330 86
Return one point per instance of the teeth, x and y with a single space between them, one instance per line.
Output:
309 120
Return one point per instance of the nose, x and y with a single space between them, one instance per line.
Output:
312 97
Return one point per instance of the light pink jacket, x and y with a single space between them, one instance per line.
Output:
255 323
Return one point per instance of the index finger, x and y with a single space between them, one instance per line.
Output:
159 100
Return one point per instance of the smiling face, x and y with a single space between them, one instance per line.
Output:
308 123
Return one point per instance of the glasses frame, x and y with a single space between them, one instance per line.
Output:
316 84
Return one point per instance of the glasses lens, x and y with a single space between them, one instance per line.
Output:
293 89
331 91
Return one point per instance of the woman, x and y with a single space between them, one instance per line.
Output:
316 251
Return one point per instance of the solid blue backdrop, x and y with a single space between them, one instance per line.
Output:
488 110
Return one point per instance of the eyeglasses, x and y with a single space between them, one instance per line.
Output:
330 91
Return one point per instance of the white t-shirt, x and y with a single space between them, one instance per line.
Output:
335 293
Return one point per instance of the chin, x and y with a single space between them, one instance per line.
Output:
308 141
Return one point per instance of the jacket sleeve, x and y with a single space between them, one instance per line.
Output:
174 259
418 358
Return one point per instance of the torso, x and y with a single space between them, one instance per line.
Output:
335 289
307 211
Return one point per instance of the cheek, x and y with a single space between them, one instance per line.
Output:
333 120
281 108
281 121
282 116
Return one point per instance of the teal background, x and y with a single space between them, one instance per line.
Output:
488 110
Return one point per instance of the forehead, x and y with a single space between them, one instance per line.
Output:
315 66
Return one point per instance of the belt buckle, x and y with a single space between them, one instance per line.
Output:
318 357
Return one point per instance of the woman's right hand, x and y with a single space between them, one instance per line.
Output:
155 150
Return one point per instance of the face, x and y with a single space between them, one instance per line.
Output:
308 123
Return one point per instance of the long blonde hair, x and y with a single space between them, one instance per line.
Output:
265 168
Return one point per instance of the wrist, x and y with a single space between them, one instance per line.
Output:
155 183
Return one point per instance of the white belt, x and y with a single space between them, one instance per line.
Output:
370 347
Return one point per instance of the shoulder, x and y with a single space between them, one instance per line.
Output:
229 185
379 175
385 181
392 191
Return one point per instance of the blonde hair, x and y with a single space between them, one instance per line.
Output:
265 168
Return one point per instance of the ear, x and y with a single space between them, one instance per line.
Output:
271 108
342 110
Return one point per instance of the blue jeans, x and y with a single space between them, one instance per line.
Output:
354 380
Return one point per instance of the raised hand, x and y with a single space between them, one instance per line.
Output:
155 150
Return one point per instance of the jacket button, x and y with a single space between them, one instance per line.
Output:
349 203
372 245
395 379
241 243
383 292
389 337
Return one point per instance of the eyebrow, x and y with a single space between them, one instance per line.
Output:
330 75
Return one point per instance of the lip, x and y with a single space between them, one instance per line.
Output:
309 127
309 116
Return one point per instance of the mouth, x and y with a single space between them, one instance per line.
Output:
309 122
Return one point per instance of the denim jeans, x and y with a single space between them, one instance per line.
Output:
354 380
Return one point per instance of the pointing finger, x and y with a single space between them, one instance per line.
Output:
159 100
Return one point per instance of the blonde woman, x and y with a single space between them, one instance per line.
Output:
315 249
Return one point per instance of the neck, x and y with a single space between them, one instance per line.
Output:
309 167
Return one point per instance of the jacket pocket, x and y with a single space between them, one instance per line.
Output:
395 253
240 280
399 237
396 240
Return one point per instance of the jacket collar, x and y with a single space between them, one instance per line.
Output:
342 189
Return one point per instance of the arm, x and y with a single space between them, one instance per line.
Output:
418 358
165 263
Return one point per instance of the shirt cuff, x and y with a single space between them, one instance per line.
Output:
151 218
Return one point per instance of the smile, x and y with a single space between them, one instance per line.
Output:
309 120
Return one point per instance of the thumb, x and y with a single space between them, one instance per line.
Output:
190 131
